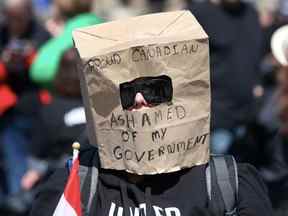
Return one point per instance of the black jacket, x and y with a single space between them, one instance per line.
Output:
165 194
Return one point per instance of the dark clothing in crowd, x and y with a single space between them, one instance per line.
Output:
235 43
54 133
18 65
177 193
59 120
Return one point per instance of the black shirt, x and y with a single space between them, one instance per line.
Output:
173 194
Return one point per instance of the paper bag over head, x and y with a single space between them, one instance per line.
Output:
163 138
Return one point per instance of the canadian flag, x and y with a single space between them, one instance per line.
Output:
70 201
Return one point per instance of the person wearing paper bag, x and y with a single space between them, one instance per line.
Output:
146 90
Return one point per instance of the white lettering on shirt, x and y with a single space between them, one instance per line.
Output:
141 210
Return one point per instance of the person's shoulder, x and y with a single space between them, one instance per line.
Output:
253 195
249 174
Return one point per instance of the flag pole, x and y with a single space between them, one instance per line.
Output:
70 201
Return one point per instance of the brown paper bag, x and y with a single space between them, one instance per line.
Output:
160 139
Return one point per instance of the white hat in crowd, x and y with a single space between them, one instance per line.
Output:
279 45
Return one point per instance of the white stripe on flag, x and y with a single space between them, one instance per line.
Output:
64 208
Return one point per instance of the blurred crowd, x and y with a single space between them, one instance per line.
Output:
41 109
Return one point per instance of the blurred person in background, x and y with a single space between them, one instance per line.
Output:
58 124
264 129
63 10
20 37
73 13
273 121
267 11
235 45
273 15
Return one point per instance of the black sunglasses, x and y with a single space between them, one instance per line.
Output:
155 90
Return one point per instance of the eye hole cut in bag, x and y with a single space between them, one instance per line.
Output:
155 90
